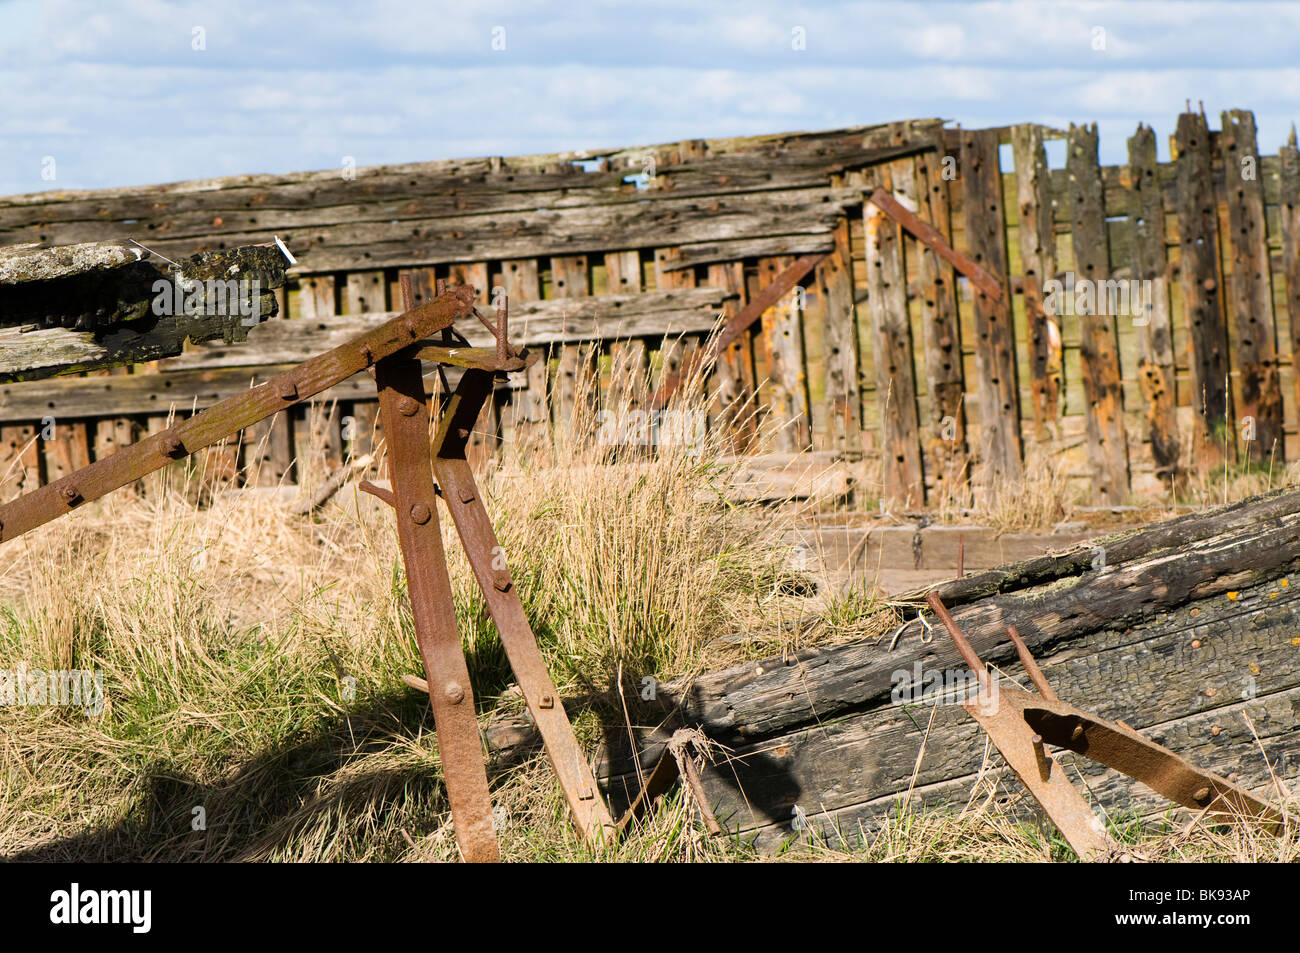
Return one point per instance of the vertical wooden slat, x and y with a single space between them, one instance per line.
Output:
1252 289
1156 345
577 381
19 460
736 377
484 439
1000 452
677 348
834 278
783 341
268 451
891 337
628 358
941 326
528 411
316 296
1098 348
1198 236
1038 263
319 441
365 292
1290 223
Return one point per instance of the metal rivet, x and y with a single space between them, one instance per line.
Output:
454 693
367 355
1077 733
411 329
466 495
407 407
1202 795
71 495
547 701
288 390
420 513
501 580
172 446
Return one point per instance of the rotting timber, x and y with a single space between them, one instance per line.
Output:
1188 631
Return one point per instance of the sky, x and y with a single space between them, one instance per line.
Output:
107 93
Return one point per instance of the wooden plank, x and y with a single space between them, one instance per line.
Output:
1289 215
941 327
20 460
485 437
834 278
529 415
1000 452
735 373
900 432
1155 371
1038 263
629 384
679 352
1259 414
364 293
576 395
1098 349
268 451
1198 236
316 297
783 340
926 234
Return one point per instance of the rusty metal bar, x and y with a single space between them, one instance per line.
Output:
1031 666
404 412
224 420
926 233
486 557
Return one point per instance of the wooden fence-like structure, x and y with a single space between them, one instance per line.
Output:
626 258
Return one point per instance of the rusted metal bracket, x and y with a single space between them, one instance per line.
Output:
928 235
1021 724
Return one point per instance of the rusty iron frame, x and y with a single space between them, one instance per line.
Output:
393 352
1021 724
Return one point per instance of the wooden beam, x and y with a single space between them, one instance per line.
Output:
1259 415
1098 349
1289 216
1198 237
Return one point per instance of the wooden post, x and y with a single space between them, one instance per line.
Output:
891 338
1198 235
995 358
484 438
737 379
941 324
1038 262
365 294
577 379
1098 350
1259 415
1290 221
20 460
529 410
319 441
1156 355
843 399
783 337
629 360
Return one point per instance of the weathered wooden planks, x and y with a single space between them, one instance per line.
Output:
783 336
891 336
1099 351
1198 236
1289 215
1038 262
834 278
1156 361
1259 413
1000 452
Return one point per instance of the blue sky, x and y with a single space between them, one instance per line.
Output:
116 93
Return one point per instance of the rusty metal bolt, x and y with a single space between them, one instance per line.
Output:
501 580
288 390
407 406
172 446
466 495
71 495
367 355
1209 284
547 701
1196 643
1202 795
454 693
1215 731
411 329
420 513
463 433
